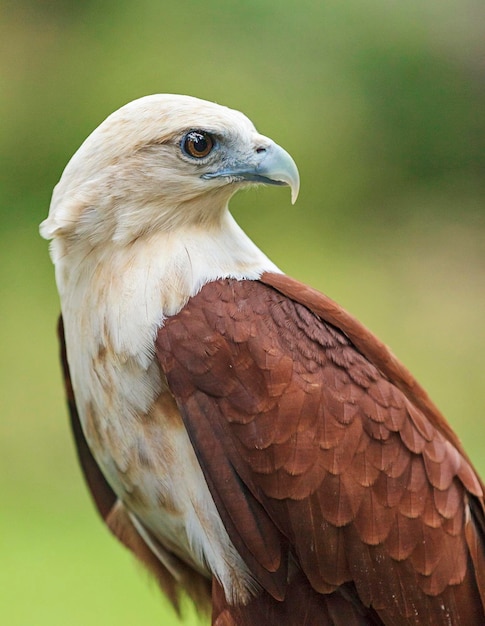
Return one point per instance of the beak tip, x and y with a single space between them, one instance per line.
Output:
286 171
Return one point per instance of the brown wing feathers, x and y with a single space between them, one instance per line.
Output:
370 346
327 436
302 607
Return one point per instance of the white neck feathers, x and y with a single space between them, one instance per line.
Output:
123 293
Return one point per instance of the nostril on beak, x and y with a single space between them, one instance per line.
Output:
260 149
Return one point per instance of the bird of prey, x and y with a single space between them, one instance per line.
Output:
248 439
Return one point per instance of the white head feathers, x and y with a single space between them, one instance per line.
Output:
132 175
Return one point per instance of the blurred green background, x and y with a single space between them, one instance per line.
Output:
382 105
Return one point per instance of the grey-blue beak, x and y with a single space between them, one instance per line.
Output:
270 164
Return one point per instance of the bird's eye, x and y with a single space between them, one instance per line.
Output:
198 144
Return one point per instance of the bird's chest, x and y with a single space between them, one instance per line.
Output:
143 449
129 417
144 452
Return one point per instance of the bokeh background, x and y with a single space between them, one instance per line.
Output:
382 105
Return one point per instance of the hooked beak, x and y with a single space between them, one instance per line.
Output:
269 164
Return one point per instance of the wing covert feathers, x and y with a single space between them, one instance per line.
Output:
339 482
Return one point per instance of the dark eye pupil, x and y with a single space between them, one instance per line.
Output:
198 144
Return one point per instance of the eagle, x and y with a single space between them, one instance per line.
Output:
252 443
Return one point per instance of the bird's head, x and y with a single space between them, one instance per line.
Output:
160 162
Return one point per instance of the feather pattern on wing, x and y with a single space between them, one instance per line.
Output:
338 447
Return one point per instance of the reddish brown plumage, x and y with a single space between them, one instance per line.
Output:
316 431
339 482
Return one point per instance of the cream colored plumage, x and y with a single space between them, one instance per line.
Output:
136 231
